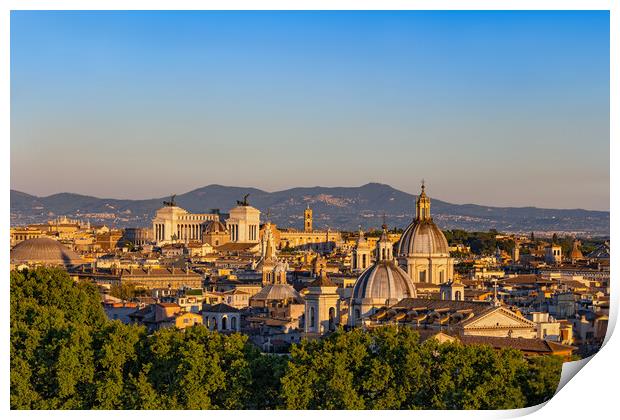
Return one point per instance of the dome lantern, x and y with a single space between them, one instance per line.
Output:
423 206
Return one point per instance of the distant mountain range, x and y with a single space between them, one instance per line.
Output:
343 208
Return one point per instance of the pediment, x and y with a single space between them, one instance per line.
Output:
498 318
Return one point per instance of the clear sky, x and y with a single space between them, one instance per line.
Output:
496 108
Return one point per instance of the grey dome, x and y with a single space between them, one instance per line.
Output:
423 237
216 227
385 281
277 292
44 251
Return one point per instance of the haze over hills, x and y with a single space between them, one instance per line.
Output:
343 208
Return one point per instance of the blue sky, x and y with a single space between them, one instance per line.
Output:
497 108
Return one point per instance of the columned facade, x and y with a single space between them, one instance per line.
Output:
172 223
244 224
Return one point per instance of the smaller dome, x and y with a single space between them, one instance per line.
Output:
384 281
277 292
216 227
45 251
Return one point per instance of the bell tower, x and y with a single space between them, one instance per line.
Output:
384 246
361 254
308 219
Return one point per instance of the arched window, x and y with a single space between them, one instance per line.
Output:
423 276
457 295
332 318
312 325
357 314
224 322
233 323
213 324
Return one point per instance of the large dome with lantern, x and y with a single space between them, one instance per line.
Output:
422 236
423 249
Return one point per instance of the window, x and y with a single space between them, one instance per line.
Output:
423 276
233 323
311 317
332 318
224 327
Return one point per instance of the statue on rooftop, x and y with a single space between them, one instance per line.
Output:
243 202
170 203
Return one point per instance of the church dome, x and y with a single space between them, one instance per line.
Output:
45 251
278 292
384 281
423 237
216 227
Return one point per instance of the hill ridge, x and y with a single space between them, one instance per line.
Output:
335 207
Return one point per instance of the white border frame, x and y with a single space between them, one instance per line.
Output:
591 393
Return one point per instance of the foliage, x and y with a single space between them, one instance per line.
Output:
388 368
481 243
376 233
65 354
126 291
52 324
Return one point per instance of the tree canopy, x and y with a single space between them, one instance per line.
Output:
388 368
65 354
